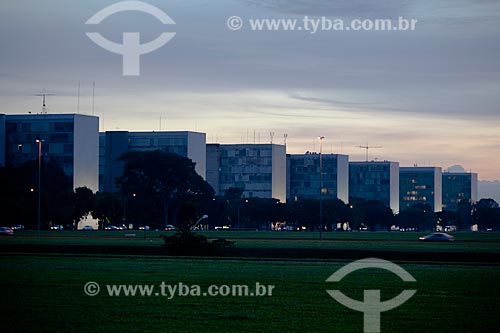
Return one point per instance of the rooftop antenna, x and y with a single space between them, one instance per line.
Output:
78 100
285 136
93 97
368 147
271 135
44 104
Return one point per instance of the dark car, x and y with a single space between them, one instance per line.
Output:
437 237
5 231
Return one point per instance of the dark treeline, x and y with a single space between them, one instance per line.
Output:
156 187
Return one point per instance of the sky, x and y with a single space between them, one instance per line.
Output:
427 97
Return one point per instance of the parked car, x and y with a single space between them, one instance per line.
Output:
57 227
18 227
88 227
437 237
5 231
170 227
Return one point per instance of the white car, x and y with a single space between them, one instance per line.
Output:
437 237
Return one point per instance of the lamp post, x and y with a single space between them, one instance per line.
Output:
198 222
38 218
321 138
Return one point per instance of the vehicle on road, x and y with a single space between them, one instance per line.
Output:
437 237
57 227
111 227
6 231
88 227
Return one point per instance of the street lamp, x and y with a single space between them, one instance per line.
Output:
39 143
321 138
198 222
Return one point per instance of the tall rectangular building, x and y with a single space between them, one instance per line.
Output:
458 187
71 140
375 181
2 140
114 143
258 169
213 166
303 172
420 185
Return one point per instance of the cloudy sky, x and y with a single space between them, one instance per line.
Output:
429 96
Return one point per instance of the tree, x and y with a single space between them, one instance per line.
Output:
486 214
416 217
107 209
449 217
83 204
167 179
18 195
375 215
335 211
233 193
259 213
218 212
464 209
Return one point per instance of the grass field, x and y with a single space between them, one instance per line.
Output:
381 241
44 292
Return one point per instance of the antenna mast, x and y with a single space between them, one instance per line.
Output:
368 147
44 104
93 97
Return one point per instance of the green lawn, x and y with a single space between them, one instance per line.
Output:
377 241
45 293
374 236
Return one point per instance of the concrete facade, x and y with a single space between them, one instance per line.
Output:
303 176
375 181
258 169
459 187
113 144
69 139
